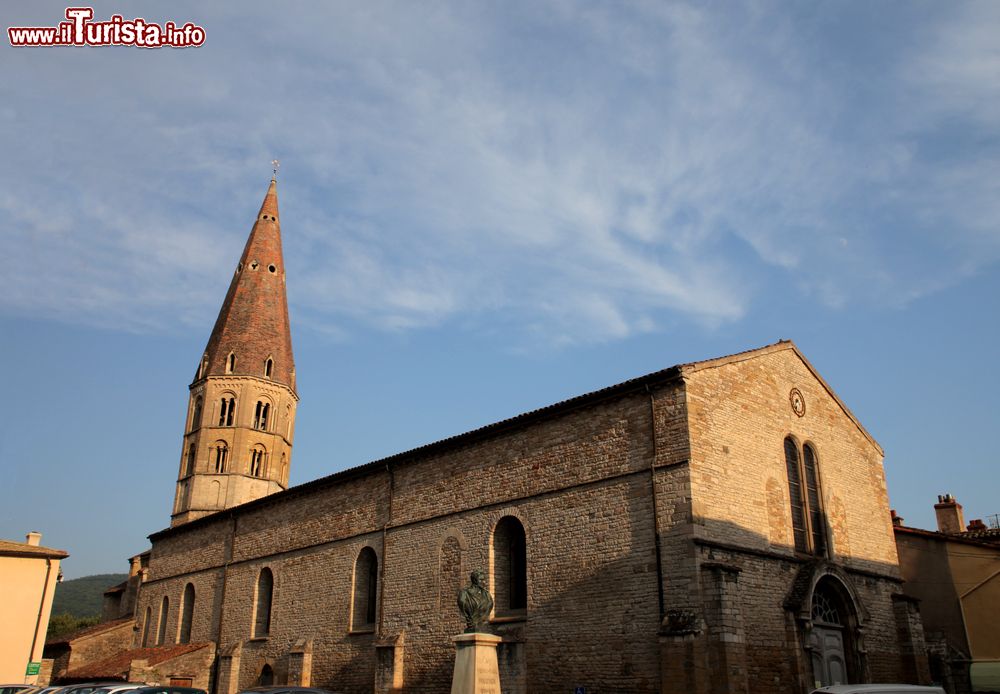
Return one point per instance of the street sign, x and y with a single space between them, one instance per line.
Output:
33 668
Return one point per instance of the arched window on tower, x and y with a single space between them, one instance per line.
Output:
510 567
365 590
196 414
227 411
221 455
262 604
258 454
268 367
261 415
203 367
189 463
187 614
161 630
231 363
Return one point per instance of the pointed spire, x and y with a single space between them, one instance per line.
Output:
252 326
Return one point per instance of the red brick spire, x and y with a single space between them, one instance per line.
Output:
252 326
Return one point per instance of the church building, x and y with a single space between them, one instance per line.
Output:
717 526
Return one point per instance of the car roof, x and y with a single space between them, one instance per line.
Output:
887 688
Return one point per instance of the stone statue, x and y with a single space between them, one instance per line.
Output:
475 603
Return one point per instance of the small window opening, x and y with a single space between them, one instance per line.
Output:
227 412
254 265
268 367
196 414
189 467
272 269
257 461
230 363
221 453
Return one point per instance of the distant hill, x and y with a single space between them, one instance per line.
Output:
83 597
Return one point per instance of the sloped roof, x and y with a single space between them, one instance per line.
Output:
117 666
90 631
9 548
655 378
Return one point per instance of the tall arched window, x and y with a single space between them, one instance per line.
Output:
221 454
268 367
260 415
262 604
365 589
816 520
510 567
161 630
227 411
187 614
146 626
231 363
257 455
808 525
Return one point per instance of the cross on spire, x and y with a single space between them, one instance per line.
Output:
275 166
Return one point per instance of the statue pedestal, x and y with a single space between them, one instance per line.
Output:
476 670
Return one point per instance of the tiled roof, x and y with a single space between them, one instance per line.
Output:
986 534
90 631
970 538
23 549
117 588
117 666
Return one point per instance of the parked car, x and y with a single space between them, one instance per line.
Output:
286 689
878 689
14 688
117 688
166 689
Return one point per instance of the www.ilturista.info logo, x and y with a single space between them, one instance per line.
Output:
81 31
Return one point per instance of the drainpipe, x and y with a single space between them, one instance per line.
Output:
381 567
656 515
41 610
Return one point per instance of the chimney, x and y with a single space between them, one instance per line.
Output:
949 515
33 538
896 520
976 524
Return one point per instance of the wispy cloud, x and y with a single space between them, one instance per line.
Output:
577 171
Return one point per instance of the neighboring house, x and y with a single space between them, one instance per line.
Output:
718 526
88 645
28 577
955 573
186 665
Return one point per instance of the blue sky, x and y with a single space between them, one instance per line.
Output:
487 208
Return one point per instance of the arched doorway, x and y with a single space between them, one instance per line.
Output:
266 678
831 637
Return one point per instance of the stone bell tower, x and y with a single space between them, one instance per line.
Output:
241 412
